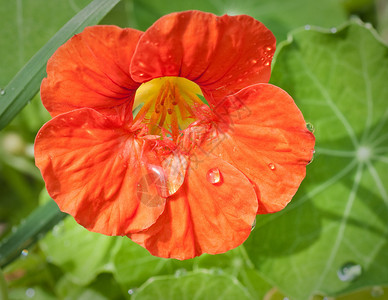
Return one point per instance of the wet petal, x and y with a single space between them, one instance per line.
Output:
204 216
93 168
263 133
220 54
91 70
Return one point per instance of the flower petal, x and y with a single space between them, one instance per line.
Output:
91 70
264 135
203 217
220 54
92 169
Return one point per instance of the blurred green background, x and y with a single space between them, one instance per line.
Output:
329 243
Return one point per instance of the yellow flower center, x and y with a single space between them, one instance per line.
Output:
167 105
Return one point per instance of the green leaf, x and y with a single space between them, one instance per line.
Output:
23 34
142 265
332 238
78 252
196 285
3 287
31 229
280 16
26 83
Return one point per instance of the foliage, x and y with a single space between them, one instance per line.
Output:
331 241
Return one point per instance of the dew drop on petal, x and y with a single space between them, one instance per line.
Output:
271 166
214 176
2 92
174 167
254 61
268 48
147 187
312 158
349 271
141 74
30 292
377 292
267 63
253 225
310 127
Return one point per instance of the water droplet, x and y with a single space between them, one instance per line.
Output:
368 25
312 158
307 27
131 291
30 292
333 30
174 166
268 48
267 63
377 291
310 127
141 74
214 176
180 272
2 92
349 271
254 61
161 181
24 252
253 225
271 166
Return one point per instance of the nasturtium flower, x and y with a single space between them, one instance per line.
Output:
172 136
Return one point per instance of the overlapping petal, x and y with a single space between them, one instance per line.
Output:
262 133
92 166
91 70
203 217
220 54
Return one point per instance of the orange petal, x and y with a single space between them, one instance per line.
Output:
220 54
92 169
212 212
91 70
264 135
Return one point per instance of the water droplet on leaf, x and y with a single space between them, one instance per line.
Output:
377 291
131 291
349 271
333 30
24 252
307 27
2 92
30 292
180 272
271 166
214 176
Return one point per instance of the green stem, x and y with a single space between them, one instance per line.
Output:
30 231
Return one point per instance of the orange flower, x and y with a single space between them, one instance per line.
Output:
133 150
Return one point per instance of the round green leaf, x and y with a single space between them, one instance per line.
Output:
197 285
332 238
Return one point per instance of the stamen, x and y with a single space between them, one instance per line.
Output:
170 105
